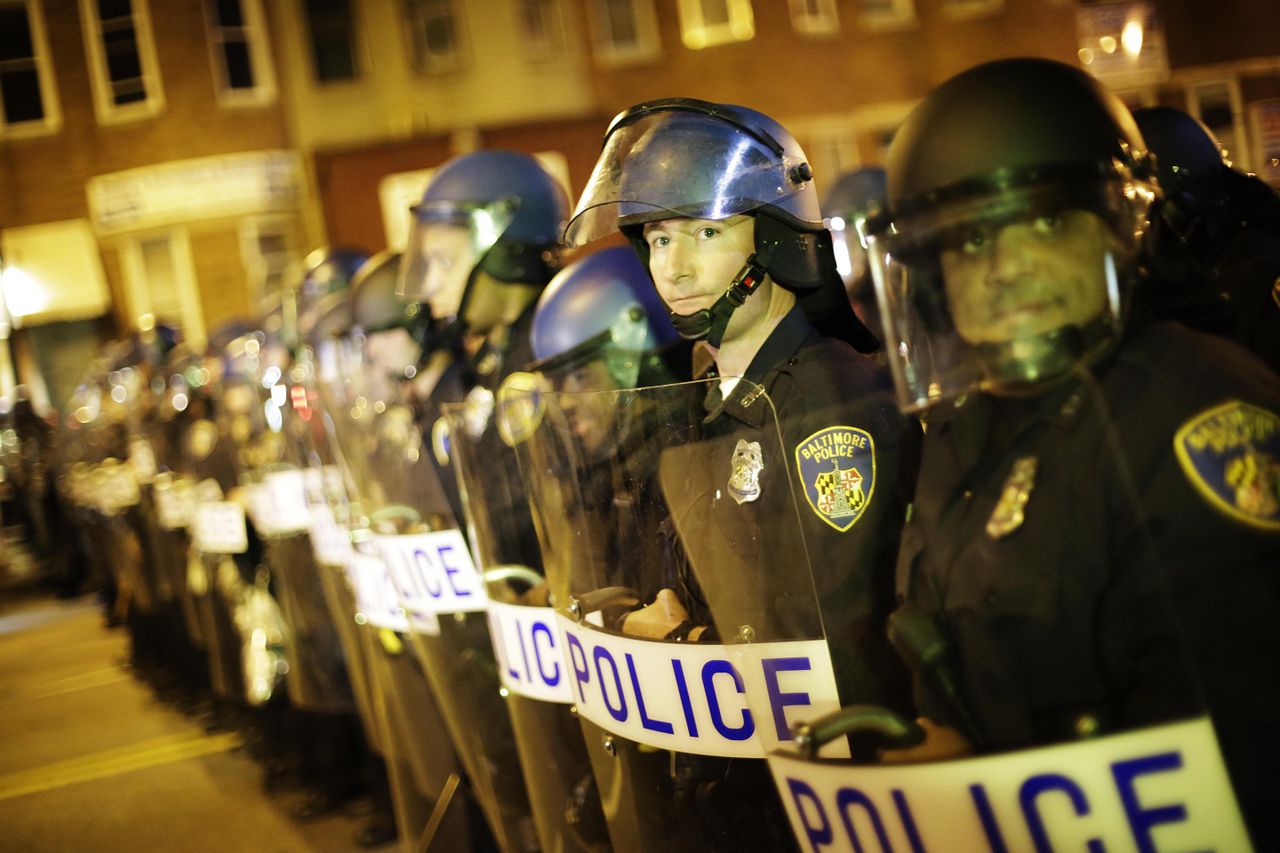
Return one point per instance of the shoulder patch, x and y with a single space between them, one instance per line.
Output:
837 468
1231 455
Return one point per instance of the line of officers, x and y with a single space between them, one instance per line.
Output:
666 548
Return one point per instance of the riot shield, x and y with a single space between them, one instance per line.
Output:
525 637
1058 701
682 589
444 596
411 732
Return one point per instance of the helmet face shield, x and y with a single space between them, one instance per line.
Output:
446 243
672 163
1005 292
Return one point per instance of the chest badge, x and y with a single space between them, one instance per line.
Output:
744 476
1231 456
837 467
1010 509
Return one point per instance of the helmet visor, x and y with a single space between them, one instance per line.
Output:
446 241
1003 293
674 163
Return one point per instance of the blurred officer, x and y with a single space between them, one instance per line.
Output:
854 198
1229 224
1081 461
719 203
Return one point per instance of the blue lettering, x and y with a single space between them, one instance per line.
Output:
710 670
450 570
1142 820
847 797
426 570
578 657
995 839
908 821
779 700
816 834
620 713
651 725
554 678
683 689
1043 783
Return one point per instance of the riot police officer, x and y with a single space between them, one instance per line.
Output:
1083 465
1228 222
719 202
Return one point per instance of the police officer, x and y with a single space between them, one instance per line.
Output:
1081 461
719 202
1227 221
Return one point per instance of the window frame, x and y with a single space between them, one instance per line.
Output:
51 122
257 264
825 23
258 40
697 34
138 290
1241 158
461 54
553 23
647 46
104 107
359 61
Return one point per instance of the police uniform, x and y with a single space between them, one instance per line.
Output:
1036 524
851 457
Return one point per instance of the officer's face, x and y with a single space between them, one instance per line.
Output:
591 416
450 257
693 261
1028 278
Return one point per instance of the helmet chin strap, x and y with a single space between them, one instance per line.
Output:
709 324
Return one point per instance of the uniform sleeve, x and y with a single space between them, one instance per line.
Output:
853 459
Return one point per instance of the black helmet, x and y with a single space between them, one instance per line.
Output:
680 157
1183 147
1006 143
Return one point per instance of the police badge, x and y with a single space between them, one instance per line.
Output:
744 477
837 467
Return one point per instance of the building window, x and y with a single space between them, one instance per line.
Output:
1218 104
815 17
28 103
122 59
707 23
624 32
540 28
331 25
160 281
438 35
886 14
271 256
238 40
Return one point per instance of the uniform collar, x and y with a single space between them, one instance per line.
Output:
746 401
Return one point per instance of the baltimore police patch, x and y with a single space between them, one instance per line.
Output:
1231 455
837 466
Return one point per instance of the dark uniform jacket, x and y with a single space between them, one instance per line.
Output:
837 459
1096 552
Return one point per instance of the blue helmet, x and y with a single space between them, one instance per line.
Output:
601 307
511 206
328 270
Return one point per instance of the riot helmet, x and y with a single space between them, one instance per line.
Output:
1018 197
492 212
680 158
1182 146
603 308
855 198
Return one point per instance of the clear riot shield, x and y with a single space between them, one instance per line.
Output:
526 639
444 596
412 734
682 589
1057 704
